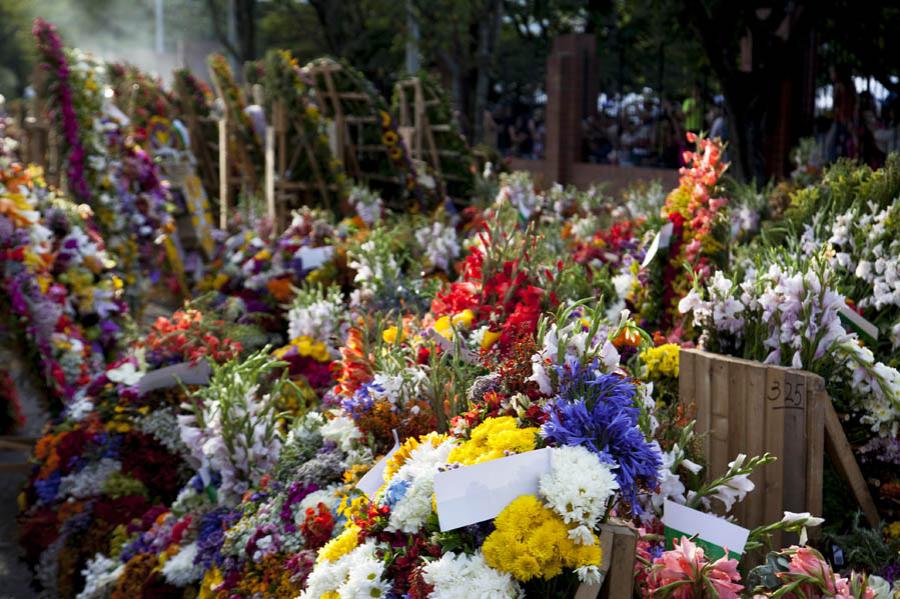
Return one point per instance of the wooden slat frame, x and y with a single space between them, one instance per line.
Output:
748 407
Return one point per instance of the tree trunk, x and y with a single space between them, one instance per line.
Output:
246 22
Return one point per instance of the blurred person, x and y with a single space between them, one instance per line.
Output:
887 135
520 133
503 121
693 111
867 122
840 140
538 133
489 129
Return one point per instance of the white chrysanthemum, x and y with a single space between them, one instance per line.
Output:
328 496
468 577
88 481
163 426
100 576
360 564
365 577
410 513
578 488
341 430
180 569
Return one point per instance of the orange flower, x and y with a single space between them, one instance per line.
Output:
281 289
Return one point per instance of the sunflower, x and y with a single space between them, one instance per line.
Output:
389 138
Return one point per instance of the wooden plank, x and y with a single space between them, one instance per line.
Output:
719 390
8 468
774 444
619 581
815 434
754 436
841 454
701 395
737 433
794 457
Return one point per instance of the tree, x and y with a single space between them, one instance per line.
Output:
241 16
764 58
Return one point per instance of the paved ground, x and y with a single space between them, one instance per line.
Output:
14 576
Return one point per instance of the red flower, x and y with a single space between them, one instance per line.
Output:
318 526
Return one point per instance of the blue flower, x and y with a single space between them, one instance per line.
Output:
597 411
211 535
395 492
363 400
47 488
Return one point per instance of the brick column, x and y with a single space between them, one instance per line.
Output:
571 97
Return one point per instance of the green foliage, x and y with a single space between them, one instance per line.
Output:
845 185
864 548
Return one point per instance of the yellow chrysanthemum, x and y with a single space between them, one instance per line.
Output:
339 546
531 541
494 438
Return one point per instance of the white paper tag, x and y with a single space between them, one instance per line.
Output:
864 325
313 258
660 241
708 527
187 373
374 478
471 494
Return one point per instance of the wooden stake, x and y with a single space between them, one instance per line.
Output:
223 173
842 455
270 180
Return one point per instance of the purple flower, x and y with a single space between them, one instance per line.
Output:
296 494
363 400
597 411
211 535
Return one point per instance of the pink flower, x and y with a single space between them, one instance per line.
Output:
691 574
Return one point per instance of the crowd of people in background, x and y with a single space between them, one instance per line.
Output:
645 130
638 130
861 127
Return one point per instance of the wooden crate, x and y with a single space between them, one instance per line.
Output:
752 408
619 545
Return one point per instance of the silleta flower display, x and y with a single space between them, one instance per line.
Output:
279 423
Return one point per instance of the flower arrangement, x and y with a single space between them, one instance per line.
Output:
287 87
410 346
759 318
